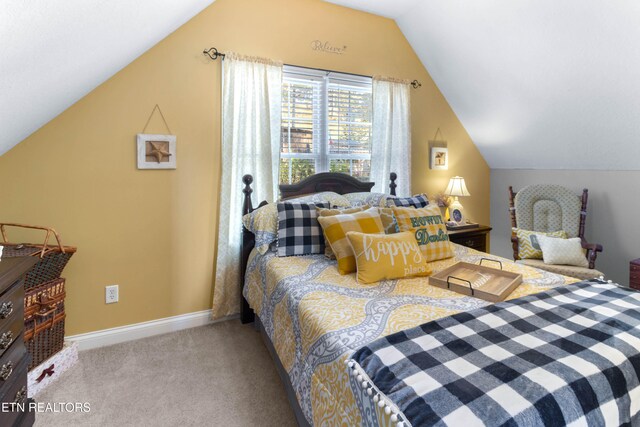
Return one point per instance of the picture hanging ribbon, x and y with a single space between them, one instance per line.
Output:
157 107
435 137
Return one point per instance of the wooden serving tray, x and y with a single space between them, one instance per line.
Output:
479 281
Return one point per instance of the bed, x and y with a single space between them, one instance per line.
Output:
313 319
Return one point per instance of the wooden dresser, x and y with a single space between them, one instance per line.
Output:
475 238
634 274
13 355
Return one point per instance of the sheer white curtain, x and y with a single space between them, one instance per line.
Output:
251 116
391 134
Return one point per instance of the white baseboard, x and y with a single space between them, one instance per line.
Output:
136 331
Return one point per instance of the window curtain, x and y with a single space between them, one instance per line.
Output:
391 134
251 116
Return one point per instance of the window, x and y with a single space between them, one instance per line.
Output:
326 124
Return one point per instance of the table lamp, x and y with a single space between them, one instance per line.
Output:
456 188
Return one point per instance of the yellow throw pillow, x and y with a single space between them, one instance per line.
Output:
528 246
428 228
337 211
383 256
335 230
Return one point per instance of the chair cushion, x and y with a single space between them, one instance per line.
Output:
528 246
566 270
563 251
548 208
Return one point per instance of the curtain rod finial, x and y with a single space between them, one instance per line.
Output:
416 84
213 53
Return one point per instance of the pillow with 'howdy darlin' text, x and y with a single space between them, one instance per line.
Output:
428 228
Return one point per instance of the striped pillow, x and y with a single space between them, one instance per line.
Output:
429 229
335 230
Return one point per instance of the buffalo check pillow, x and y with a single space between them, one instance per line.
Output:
417 201
299 232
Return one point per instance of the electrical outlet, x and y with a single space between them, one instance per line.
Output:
111 294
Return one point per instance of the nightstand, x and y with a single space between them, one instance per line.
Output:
634 274
475 238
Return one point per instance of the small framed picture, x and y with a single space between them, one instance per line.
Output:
156 151
439 158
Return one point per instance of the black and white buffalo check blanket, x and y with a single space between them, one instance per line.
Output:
568 356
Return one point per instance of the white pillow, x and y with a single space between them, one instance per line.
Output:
562 251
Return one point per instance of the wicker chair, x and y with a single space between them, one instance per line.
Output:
549 208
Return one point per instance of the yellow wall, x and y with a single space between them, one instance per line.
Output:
153 232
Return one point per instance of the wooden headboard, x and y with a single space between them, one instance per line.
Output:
325 181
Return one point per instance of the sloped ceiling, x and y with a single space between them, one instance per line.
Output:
541 84
537 84
52 53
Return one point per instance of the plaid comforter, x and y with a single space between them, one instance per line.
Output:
570 355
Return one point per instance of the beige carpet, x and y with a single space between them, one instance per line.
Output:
217 375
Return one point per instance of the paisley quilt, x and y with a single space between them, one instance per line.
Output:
317 318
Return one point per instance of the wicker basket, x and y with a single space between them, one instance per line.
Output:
53 259
44 320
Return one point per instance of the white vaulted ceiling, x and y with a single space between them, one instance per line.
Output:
52 53
536 83
540 84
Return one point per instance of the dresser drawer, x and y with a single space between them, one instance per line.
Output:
17 283
9 363
11 330
12 303
16 394
475 242
633 267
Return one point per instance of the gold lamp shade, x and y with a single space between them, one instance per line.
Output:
457 187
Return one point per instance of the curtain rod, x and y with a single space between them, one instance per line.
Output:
214 54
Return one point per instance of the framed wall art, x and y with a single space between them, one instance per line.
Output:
156 151
439 158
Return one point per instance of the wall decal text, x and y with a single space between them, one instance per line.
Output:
327 47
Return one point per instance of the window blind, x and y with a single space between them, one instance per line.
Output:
326 124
